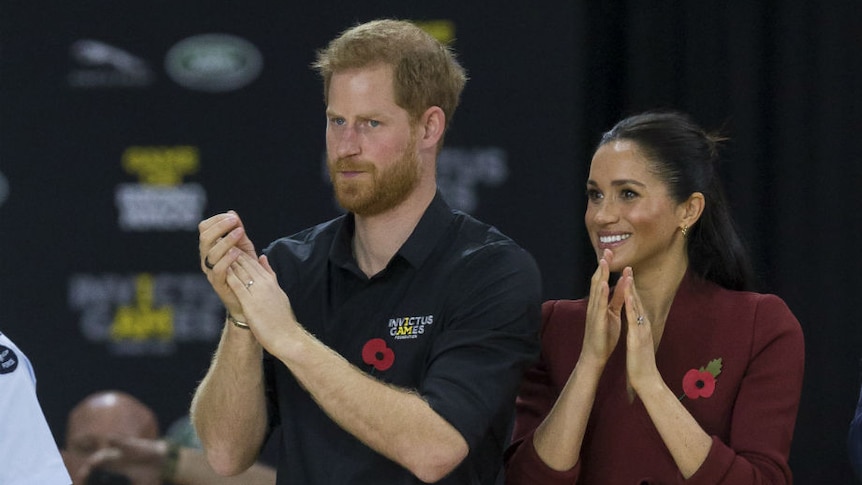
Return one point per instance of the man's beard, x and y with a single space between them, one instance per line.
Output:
386 189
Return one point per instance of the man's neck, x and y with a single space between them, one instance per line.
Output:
377 238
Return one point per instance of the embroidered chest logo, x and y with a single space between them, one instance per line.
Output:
8 360
409 327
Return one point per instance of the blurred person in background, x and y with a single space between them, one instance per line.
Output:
114 438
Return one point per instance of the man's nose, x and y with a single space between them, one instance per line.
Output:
346 142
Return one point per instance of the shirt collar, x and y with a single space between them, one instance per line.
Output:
431 227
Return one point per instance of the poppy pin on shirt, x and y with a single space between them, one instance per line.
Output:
376 353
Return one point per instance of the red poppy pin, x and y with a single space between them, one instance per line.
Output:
701 382
377 354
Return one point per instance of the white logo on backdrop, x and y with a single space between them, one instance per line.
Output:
103 65
460 172
213 62
143 207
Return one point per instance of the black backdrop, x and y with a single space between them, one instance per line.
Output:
115 140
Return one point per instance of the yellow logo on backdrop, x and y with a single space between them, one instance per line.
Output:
161 165
442 30
141 320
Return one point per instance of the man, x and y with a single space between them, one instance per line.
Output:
113 438
28 452
394 337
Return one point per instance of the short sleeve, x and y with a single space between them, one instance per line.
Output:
490 339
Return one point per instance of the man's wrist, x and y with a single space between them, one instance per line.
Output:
235 322
172 458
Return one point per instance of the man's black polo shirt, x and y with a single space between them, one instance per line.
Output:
454 316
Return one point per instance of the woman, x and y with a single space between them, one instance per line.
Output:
677 374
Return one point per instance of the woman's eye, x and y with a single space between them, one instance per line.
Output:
593 194
628 194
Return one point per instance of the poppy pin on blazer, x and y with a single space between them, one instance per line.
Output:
697 383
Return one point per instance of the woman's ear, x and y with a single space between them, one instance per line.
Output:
692 209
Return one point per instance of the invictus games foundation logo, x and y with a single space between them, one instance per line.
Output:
213 62
409 327
160 201
145 314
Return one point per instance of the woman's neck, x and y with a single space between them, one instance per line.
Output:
657 286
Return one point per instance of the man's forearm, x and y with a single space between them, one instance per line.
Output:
229 406
192 469
395 422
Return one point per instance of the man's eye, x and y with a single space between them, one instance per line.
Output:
84 448
373 123
337 121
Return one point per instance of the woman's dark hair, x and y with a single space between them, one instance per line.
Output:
685 157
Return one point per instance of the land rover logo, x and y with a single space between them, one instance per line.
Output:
213 62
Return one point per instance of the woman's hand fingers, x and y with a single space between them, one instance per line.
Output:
602 326
640 346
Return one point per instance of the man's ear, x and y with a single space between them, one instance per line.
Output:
432 124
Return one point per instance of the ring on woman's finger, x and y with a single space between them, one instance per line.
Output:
207 263
640 319
250 282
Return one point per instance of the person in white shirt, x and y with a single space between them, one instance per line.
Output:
28 452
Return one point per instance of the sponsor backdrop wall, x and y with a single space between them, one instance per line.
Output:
123 124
